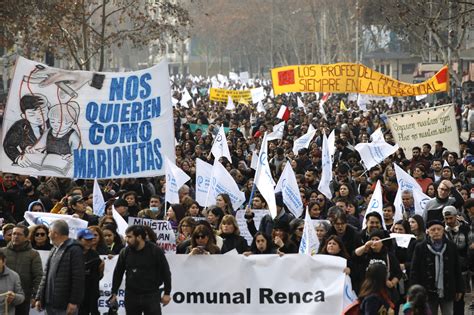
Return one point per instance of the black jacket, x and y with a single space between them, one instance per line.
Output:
63 278
232 241
423 269
146 270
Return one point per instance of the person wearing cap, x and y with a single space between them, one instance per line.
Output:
435 265
458 233
94 269
24 260
434 207
78 205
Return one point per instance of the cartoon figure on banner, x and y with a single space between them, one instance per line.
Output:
47 133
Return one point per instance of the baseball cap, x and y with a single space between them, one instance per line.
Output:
85 234
450 210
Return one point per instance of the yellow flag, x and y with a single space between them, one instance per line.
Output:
342 106
243 101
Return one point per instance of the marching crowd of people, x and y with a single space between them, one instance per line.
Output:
433 273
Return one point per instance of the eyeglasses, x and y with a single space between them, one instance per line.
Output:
320 199
201 236
40 234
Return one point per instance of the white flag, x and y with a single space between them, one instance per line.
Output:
98 202
407 182
349 294
254 162
175 178
309 244
264 179
377 136
257 94
260 107
230 103
122 225
220 147
300 104
375 204
332 143
185 98
303 141
326 166
288 185
277 132
203 179
375 152
233 76
403 240
223 183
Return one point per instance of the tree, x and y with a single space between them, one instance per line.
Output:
437 26
83 30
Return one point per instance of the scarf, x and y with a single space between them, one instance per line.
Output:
439 269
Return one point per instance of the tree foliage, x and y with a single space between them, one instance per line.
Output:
82 30
438 26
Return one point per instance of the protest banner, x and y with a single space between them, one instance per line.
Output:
413 128
351 78
222 95
242 222
235 284
166 237
82 124
204 128
75 224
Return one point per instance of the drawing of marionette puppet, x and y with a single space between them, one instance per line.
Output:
63 136
32 137
25 133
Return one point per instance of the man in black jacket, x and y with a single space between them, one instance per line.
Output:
146 269
62 287
435 265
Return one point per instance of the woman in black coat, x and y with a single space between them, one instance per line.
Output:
230 233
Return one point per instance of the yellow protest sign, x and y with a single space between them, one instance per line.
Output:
222 95
351 78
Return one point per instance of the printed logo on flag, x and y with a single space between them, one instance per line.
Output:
286 77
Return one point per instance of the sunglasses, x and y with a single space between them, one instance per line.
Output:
40 234
301 229
201 236
320 199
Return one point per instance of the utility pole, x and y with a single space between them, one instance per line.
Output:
430 34
357 31
271 36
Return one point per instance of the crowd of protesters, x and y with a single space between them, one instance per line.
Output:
435 269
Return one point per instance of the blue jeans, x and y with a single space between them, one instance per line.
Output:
147 304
